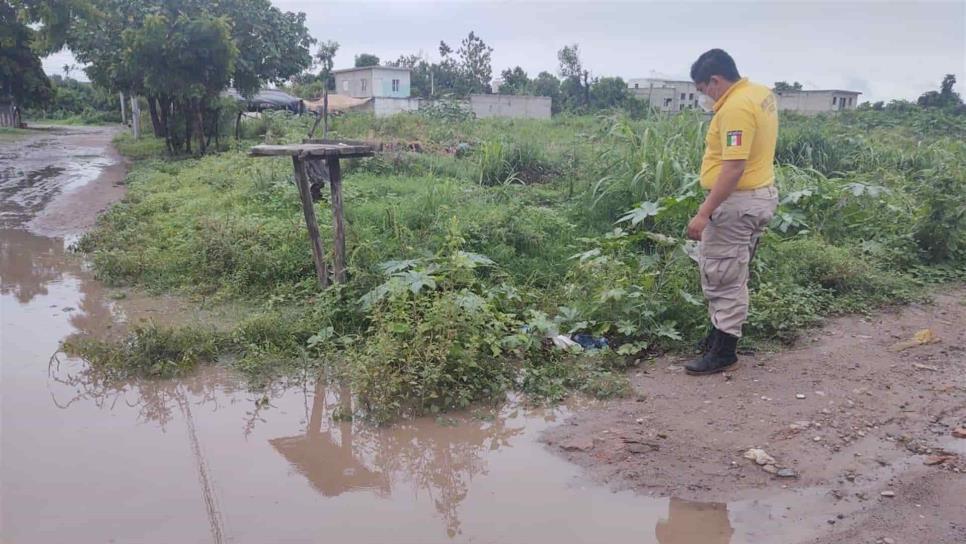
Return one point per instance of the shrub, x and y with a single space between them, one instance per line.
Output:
150 350
436 338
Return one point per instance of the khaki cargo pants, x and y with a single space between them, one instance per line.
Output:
727 245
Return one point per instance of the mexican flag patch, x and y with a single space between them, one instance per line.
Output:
734 138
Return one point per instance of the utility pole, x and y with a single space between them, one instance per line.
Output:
215 522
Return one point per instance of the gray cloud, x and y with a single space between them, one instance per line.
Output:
891 49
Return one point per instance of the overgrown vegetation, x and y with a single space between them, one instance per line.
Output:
77 102
466 257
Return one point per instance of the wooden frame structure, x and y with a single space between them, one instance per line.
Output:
331 152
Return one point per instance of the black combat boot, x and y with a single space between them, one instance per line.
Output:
705 344
721 356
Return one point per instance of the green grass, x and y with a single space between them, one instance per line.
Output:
8 134
867 218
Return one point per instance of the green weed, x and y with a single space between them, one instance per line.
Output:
870 212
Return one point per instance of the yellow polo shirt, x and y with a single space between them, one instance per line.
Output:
744 126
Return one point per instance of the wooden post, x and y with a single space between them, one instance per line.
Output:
325 113
123 109
338 217
318 119
315 152
318 253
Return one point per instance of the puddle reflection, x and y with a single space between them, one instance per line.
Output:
438 459
204 458
691 522
28 263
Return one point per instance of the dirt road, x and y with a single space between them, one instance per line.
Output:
856 421
204 459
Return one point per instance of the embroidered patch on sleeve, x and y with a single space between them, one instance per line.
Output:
734 138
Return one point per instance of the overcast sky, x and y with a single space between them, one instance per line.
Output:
883 49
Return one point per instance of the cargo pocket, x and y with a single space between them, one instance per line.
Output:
721 265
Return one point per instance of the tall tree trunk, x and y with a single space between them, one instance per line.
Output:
123 109
200 126
215 127
155 119
164 114
186 113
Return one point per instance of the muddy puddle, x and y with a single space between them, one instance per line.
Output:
204 459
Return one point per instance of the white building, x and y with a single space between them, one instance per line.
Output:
373 82
665 95
669 95
385 89
816 102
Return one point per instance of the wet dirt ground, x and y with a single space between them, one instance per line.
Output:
203 459
859 423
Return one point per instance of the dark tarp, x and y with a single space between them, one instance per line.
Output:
268 99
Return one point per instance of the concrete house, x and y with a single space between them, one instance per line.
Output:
667 95
386 89
816 102
373 82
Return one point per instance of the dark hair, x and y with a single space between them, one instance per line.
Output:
714 62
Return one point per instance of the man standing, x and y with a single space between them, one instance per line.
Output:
738 170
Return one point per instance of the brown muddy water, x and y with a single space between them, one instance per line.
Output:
203 459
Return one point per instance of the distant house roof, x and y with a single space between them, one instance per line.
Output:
346 70
816 91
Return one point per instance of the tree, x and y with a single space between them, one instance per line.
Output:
784 86
575 89
420 74
946 97
29 28
608 92
444 50
189 60
326 59
946 88
366 59
445 77
475 67
515 81
570 64
22 78
72 97
467 71
270 46
547 84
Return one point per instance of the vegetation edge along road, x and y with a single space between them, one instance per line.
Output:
465 257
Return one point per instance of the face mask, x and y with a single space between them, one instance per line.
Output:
705 102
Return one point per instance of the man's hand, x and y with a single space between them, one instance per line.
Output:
696 226
731 172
